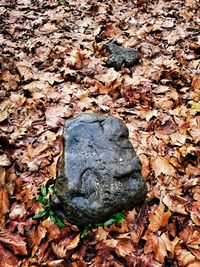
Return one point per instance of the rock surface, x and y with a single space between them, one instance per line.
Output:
100 173
121 56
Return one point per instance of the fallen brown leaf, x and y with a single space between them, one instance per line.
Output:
7 259
12 241
5 203
158 218
162 165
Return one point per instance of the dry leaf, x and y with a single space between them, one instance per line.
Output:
4 160
162 165
175 203
145 165
7 259
69 243
121 228
25 69
158 218
39 235
5 203
2 176
111 243
185 257
3 115
109 76
159 245
13 241
52 67
191 237
73 243
124 248
101 233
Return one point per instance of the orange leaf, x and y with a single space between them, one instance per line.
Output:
121 228
2 176
40 234
111 243
162 165
73 243
158 218
53 230
101 234
196 83
4 200
124 247
145 165
191 237
69 243
185 258
175 203
159 245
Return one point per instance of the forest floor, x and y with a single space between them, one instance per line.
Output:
52 68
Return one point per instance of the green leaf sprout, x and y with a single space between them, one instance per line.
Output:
43 198
116 218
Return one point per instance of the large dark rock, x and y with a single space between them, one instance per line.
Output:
121 56
101 173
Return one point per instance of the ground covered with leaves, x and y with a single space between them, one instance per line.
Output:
52 67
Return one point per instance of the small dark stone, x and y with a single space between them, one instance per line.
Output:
121 56
100 174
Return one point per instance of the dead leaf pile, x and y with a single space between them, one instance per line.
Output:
52 67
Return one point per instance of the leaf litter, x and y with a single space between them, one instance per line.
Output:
53 67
